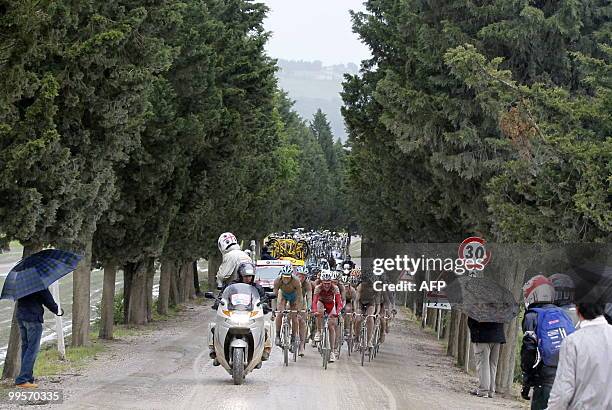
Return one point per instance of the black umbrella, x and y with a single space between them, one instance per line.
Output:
482 299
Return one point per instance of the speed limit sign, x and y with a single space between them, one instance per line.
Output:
474 252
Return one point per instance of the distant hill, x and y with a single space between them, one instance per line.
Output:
313 85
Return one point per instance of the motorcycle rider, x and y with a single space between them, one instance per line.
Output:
233 256
246 274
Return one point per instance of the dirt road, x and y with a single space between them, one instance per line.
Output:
169 369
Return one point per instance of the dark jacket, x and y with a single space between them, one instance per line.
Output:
486 332
267 257
540 374
30 308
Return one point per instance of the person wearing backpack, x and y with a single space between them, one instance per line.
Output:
565 294
545 326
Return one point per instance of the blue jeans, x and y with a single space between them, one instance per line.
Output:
30 343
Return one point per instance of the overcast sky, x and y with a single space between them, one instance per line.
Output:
314 30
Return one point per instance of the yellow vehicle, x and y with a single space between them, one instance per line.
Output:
294 261
286 247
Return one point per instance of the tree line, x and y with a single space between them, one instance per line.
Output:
482 118
135 132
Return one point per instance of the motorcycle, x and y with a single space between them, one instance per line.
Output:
240 330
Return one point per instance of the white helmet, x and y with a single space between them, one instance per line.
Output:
538 289
325 275
286 271
226 240
334 275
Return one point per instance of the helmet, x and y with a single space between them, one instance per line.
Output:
334 275
354 280
286 271
300 269
326 275
246 269
538 289
314 272
564 288
226 240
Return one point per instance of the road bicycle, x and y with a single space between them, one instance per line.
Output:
324 344
362 342
285 336
340 334
349 336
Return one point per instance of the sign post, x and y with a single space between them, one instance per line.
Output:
59 329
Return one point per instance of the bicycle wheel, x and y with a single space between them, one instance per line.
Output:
349 342
362 343
374 343
325 349
285 344
340 336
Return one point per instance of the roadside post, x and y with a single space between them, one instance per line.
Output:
59 328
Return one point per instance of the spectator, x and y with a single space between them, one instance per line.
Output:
564 294
545 326
265 254
487 338
30 319
585 364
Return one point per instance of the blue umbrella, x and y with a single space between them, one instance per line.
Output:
37 272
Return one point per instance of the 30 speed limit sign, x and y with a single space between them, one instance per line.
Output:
474 252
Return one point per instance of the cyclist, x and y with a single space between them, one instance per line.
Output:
367 302
348 264
327 298
287 288
233 256
335 278
350 297
306 302
383 309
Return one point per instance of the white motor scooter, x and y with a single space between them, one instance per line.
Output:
239 331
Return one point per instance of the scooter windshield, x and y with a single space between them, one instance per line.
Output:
240 296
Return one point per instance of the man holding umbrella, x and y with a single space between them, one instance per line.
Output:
30 318
28 283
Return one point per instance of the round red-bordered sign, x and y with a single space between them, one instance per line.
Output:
474 250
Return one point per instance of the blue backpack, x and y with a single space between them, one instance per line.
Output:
553 325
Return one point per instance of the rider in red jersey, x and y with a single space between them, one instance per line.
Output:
327 296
